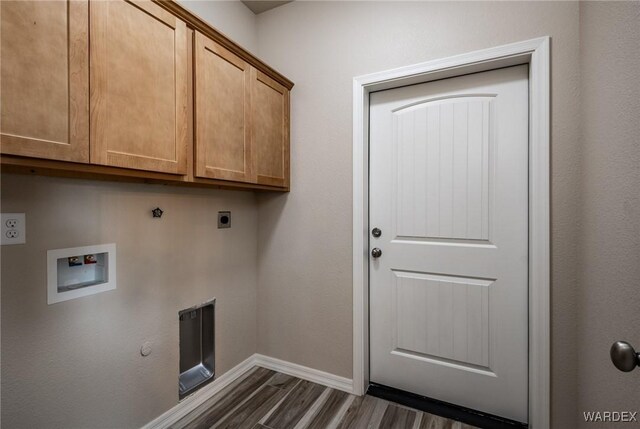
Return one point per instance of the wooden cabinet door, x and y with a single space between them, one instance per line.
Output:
222 115
138 86
270 130
45 79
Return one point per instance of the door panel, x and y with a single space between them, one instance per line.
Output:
443 164
454 325
222 116
449 190
138 87
45 80
270 117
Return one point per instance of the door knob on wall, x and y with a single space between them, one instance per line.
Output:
624 357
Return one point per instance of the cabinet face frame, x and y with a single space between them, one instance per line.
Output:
205 137
262 126
76 146
99 73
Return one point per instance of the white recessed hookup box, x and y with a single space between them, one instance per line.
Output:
80 271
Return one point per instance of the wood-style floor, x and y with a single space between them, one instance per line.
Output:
265 399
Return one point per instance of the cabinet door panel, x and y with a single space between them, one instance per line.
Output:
223 135
270 121
138 87
45 79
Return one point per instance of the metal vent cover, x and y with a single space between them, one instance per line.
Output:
197 347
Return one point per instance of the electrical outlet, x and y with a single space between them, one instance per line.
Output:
14 228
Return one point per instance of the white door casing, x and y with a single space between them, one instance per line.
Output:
449 190
536 53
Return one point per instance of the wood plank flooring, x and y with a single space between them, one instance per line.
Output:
265 399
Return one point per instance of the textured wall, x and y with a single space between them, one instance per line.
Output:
305 270
609 294
76 364
230 17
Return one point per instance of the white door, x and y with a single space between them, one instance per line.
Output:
449 192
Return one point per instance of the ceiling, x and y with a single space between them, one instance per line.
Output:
259 6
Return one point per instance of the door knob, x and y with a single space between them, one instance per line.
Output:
376 253
624 357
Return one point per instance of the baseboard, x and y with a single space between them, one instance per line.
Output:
193 401
305 373
196 399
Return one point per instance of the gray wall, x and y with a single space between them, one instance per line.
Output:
609 294
77 364
229 17
305 270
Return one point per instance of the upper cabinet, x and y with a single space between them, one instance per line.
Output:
223 148
44 80
270 130
138 87
241 119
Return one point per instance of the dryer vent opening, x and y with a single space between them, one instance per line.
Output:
197 347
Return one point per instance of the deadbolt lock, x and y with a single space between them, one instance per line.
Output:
376 232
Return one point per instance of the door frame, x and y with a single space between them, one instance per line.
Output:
535 53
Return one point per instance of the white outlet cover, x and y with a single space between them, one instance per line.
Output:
14 228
